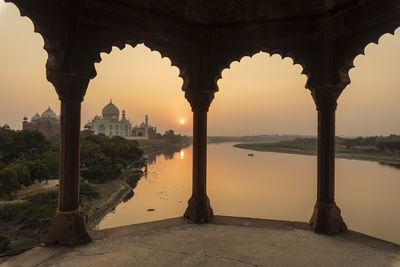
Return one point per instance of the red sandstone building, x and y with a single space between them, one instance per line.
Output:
48 123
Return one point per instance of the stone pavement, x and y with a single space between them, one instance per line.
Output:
227 241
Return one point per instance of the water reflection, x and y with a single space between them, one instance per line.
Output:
268 185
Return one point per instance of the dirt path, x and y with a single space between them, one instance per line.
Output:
31 190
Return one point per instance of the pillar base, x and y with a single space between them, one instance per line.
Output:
327 219
67 229
199 210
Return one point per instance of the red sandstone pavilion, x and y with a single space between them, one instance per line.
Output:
202 38
48 123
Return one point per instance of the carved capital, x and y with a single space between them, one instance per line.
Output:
199 100
69 86
326 98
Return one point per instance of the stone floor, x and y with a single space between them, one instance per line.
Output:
227 241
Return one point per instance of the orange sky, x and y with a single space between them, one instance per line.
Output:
259 95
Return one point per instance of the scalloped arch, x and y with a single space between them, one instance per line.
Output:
42 28
361 44
150 45
250 53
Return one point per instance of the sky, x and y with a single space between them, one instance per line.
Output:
258 95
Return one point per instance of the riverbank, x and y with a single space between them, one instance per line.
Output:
111 194
26 220
386 158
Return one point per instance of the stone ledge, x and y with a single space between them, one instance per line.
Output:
226 241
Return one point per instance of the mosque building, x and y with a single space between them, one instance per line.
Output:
48 123
110 124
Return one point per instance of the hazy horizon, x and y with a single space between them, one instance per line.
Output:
259 95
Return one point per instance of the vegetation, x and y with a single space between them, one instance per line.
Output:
36 213
169 141
25 156
173 138
4 243
377 148
103 158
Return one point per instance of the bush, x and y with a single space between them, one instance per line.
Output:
87 191
36 213
4 243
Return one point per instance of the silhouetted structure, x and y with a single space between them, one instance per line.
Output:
202 38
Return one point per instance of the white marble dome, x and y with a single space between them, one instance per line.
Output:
110 111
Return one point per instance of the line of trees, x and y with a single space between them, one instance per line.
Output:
103 158
26 156
172 137
373 143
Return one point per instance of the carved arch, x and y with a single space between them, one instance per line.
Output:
104 41
360 45
299 56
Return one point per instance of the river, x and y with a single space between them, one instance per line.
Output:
268 185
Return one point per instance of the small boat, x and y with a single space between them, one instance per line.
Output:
250 155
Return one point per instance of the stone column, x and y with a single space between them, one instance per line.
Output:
67 227
199 209
326 217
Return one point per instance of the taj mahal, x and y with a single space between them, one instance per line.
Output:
110 124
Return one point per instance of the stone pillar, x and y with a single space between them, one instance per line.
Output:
326 217
199 209
67 227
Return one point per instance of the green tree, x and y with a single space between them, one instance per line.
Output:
22 172
8 182
4 243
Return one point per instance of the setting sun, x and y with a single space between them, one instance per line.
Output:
182 121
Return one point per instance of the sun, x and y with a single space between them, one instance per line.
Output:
182 121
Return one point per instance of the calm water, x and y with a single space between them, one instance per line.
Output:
268 185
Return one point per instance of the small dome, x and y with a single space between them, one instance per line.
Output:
142 125
35 117
96 118
110 110
48 114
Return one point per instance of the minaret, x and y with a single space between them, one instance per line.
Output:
25 123
146 129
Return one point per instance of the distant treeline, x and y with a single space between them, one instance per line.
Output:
371 143
26 156
391 142
253 138
172 137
